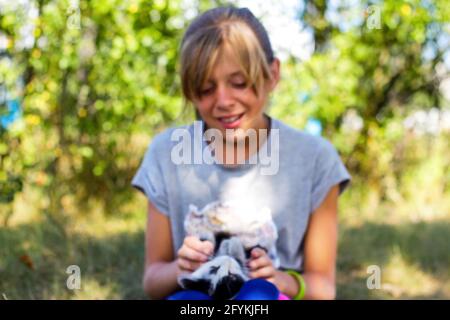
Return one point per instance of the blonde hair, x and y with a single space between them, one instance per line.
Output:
207 36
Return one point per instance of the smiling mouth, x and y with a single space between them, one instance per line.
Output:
231 121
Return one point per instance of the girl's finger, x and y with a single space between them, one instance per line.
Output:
266 272
188 253
260 262
187 265
205 247
257 252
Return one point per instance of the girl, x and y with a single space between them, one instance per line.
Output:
228 71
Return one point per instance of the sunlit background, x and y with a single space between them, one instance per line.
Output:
84 85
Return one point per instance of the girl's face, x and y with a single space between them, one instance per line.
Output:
227 102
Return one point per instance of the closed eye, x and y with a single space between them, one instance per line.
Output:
205 92
240 85
209 90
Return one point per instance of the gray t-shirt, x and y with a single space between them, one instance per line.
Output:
293 187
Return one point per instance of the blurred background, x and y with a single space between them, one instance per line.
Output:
84 85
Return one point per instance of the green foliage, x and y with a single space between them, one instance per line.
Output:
89 87
382 74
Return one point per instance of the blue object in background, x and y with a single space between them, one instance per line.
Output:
303 97
13 112
313 127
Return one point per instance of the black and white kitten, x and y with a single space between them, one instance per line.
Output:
223 276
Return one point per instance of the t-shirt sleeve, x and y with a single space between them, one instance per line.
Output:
149 179
328 171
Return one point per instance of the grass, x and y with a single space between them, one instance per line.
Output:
109 250
413 259
36 250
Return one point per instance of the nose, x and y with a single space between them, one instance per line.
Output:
224 98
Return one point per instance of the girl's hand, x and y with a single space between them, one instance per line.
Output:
260 265
193 253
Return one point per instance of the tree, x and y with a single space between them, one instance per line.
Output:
94 75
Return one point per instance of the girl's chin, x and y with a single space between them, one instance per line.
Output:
231 131
229 135
237 137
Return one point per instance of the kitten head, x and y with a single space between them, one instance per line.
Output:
221 278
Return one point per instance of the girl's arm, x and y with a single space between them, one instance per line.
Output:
320 249
320 256
161 270
162 265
